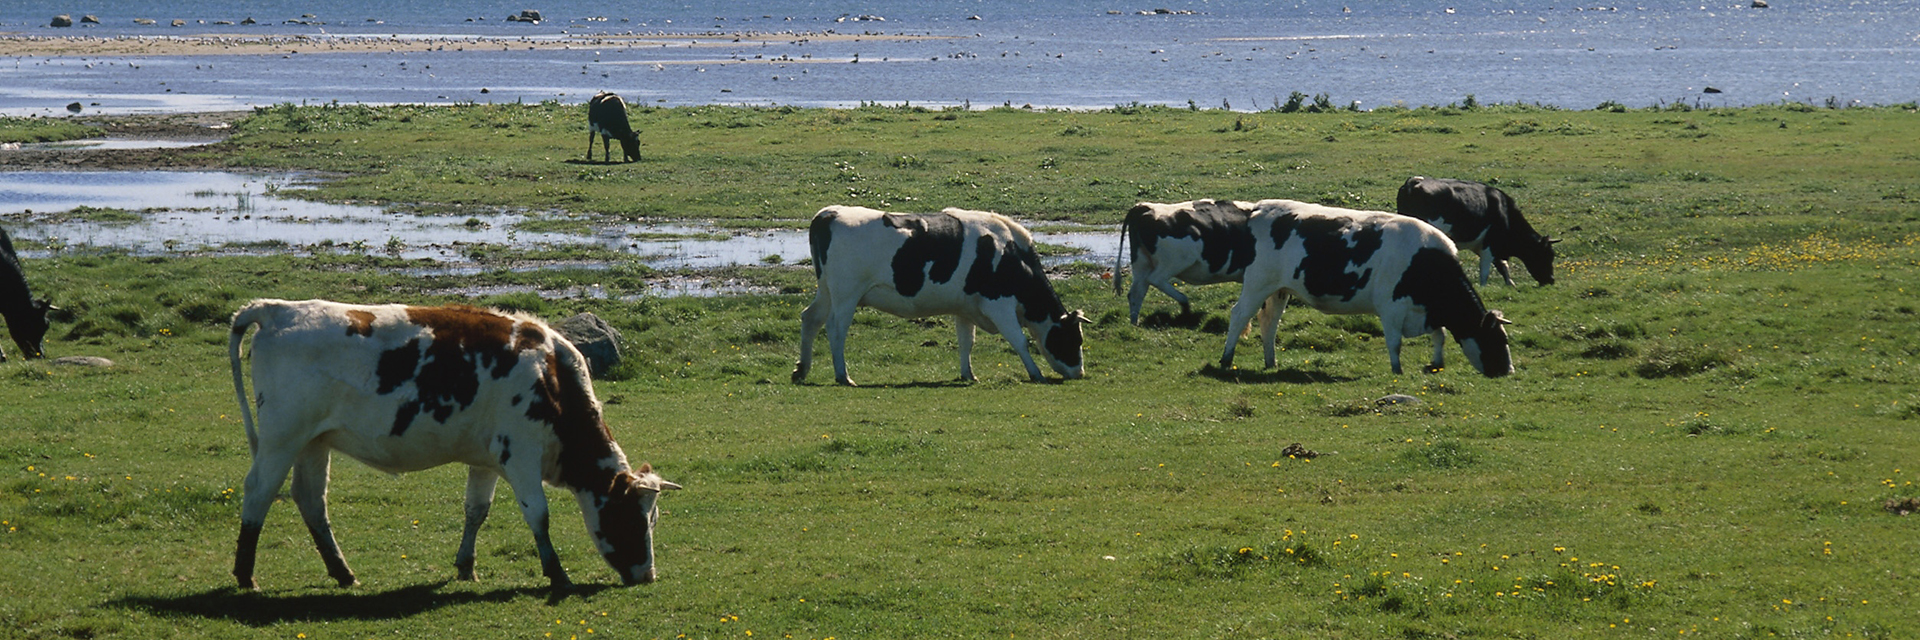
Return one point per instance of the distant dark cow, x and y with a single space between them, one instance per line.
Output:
409 388
26 317
607 118
1197 242
1342 261
1481 219
976 266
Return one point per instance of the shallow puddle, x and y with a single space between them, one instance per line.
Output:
225 213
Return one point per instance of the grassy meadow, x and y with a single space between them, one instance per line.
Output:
1712 410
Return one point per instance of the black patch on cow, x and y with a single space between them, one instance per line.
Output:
517 399
1012 270
1434 282
506 449
1331 246
397 366
820 237
931 252
1226 243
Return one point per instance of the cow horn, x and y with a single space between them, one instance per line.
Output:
1551 239
1495 318
1077 316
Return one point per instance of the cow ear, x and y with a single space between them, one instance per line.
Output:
623 484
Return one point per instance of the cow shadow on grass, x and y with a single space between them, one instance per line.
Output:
1286 376
328 603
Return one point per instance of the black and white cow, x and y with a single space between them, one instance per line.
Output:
26 317
1197 242
976 266
1481 219
1342 261
607 118
404 388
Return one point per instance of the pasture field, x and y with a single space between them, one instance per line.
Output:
1712 412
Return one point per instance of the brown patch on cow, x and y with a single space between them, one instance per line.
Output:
360 323
467 341
529 336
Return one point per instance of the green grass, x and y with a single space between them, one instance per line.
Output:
44 130
1709 414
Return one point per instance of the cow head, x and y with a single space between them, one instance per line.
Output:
1538 256
1486 345
621 519
29 329
1060 339
630 145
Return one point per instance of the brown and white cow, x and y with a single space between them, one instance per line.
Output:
1343 261
976 266
405 388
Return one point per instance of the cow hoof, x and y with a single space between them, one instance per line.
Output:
799 376
248 584
847 382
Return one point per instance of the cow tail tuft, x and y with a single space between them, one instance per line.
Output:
242 320
1119 260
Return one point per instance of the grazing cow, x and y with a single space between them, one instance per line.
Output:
405 388
1481 219
607 118
26 317
1197 242
976 266
1343 261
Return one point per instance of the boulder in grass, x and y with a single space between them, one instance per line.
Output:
595 339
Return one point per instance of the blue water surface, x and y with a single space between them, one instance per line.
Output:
1237 54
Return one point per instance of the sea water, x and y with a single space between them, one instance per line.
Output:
1236 54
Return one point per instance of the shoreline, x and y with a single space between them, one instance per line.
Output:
214 44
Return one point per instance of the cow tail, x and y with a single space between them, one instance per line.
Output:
242 320
1119 260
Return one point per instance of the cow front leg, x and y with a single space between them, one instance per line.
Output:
963 334
1439 350
480 485
589 144
527 490
1006 322
310 494
263 482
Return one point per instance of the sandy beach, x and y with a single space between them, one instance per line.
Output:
215 44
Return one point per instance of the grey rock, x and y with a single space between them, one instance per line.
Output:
595 339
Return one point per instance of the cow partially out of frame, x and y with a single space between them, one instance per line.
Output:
26 316
404 388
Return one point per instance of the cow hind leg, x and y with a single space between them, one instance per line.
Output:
963 334
839 322
1394 337
811 320
1253 295
1269 318
310 494
263 483
480 486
